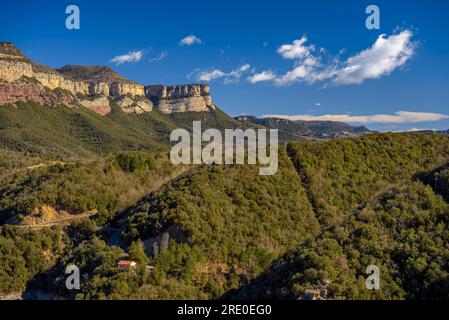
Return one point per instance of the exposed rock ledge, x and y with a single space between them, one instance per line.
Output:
180 98
99 105
91 86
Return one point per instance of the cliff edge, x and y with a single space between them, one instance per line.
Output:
94 87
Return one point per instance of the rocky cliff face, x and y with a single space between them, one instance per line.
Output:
14 66
98 105
12 93
93 87
75 79
180 98
102 80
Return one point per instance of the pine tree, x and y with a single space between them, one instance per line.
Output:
137 253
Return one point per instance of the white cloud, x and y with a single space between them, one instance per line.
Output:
301 72
420 129
296 50
398 117
229 77
239 71
190 40
266 75
382 58
317 104
386 55
132 56
160 57
212 75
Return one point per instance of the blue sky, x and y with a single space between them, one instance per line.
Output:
316 58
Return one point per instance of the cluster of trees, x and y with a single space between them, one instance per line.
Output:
100 278
24 253
132 162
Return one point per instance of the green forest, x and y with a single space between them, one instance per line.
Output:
77 188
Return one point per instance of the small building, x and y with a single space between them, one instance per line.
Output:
126 265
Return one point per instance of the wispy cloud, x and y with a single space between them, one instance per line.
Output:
296 50
160 57
132 56
420 129
190 40
312 65
229 77
399 117
211 75
262 76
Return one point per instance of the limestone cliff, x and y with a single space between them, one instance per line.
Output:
102 80
180 98
93 87
137 105
14 66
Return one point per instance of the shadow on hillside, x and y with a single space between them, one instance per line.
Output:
438 179
272 284
47 285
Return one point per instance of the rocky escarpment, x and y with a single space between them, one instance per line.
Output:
12 93
180 98
102 80
14 66
21 79
93 87
75 79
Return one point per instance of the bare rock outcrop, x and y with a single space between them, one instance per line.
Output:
180 98
98 105
75 79
135 105
94 87
155 245
27 89
11 94
102 80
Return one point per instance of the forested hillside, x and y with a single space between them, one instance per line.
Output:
62 132
76 187
233 222
343 174
373 211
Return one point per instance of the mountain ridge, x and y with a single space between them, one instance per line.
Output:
91 85
298 129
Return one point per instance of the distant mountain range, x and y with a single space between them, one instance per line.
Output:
297 130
